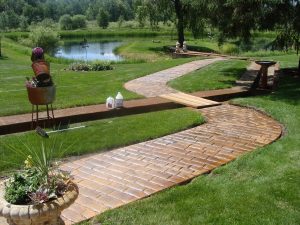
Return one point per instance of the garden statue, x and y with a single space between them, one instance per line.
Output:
41 68
177 47
184 47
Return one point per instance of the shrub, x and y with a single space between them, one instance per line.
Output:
97 66
40 180
101 66
80 66
230 48
65 22
78 21
44 37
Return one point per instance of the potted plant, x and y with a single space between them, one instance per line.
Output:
38 193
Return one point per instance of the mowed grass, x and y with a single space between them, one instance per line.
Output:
219 75
73 88
102 135
261 187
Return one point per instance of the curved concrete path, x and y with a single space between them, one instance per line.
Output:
111 179
156 84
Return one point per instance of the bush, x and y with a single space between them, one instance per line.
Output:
101 66
44 37
65 22
80 66
78 21
98 66
230 49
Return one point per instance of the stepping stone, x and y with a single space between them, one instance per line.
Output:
190 100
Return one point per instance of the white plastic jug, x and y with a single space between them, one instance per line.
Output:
119 100
110 103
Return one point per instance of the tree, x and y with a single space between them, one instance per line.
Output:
78 21
288 23
236 18
44 37
187 14
141 15
102 19
65 22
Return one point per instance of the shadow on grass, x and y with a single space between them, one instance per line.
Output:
289 87
158 49
3 57
201 49
233 72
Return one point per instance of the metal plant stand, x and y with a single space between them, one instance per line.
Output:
41 96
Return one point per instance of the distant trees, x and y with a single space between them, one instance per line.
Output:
33 11
78 21
103 19
67 22
141 15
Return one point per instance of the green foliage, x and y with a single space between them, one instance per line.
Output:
22 183
99 66
103 19
65 22
96 66
120 21
229 48
141 15
40 181
44 37
78 21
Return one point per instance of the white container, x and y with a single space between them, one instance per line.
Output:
110 103
119 100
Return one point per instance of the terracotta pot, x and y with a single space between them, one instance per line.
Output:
43 214
41 95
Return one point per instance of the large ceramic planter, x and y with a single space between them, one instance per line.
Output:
42 214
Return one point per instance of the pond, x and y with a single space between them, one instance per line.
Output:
89 51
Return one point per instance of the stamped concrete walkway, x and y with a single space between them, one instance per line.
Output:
156 84
112 179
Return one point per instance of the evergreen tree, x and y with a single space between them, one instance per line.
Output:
102 19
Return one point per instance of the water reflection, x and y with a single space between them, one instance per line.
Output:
89 51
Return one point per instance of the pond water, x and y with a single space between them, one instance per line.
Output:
89 51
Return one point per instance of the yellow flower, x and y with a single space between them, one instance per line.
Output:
28 162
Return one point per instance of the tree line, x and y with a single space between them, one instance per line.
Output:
21 13
232 18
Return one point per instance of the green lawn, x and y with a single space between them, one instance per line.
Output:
73 88
105 134
219 75
261 187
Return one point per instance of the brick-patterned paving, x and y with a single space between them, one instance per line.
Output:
111 179
156 84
